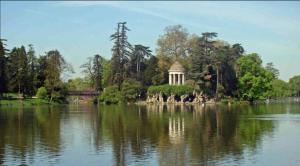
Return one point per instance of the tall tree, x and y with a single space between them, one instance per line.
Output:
294 84
93 69
32 71
171 46
137 59
208 42
3 67
224 58
204 56
121 53
98 71
41 67
280 88
151 73
173 43
254 80
270 67
18 70
55 66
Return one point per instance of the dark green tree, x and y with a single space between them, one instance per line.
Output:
121 53
270 67
204 57
151 73
3 67
41 67
294 84
93 70
32 71
98 71
18 70
55 66
137 59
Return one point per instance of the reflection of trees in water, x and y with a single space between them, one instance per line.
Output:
23 132
179 134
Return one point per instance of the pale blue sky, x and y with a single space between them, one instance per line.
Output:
82 29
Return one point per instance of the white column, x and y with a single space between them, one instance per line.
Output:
183 79
174 79
179 79
170 79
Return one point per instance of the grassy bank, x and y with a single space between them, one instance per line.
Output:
24 102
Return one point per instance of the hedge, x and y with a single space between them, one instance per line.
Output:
170 89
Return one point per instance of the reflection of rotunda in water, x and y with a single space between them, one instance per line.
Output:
176 129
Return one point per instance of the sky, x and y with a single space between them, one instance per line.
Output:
80 29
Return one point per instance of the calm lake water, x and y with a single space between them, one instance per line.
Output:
152 135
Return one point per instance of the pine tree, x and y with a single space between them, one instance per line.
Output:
32 71
3 68
137 59
98 70
121 53
18 70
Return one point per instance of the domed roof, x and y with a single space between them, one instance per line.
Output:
176 67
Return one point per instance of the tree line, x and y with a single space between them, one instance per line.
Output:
24 73
213 66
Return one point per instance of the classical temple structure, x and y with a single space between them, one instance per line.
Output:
177 77
176 74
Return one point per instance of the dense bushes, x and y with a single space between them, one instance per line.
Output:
42 93
170 89
130 89
111 95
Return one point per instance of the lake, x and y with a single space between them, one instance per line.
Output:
150 135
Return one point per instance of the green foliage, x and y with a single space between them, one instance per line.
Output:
111 95
121 53
18 70
270 67
173 43
130 89
280 88
137 60
32 72
25 102
213 66
106 72
150 72
294 84
78 84
171 89
42 93
212 62
93 70
55 66
220 91
254 80
3 68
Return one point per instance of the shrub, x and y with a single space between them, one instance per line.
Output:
42 93
130 89
111 95
171 89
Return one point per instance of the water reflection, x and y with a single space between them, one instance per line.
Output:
125 135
